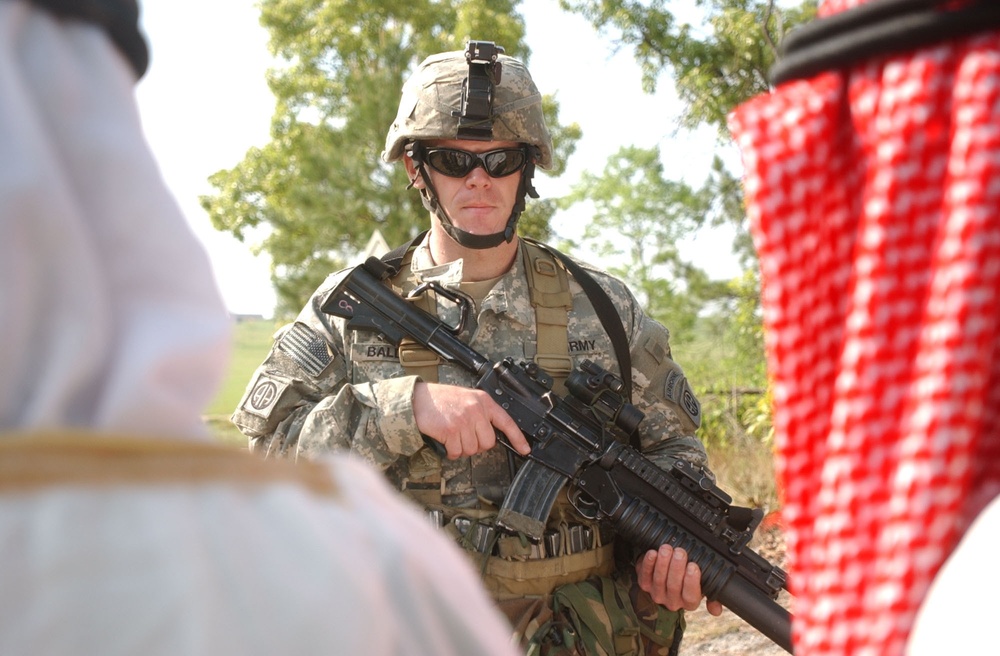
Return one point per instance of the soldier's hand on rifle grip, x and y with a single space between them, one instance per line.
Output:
672 581
463 419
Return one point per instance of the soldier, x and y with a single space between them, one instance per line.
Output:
470 132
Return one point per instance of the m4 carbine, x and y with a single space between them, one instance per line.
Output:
580 440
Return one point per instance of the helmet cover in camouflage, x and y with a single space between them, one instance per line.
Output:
434 92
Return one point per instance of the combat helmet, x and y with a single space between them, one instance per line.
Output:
477 93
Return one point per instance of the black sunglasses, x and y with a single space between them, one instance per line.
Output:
459 163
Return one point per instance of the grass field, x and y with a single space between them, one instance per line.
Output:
251 342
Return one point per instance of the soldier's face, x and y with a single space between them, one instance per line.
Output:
477 202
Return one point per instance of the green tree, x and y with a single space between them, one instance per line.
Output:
718 54
638 218
316 192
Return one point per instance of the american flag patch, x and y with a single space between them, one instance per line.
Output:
304 345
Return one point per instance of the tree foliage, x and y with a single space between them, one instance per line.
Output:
718 54
313 195
638 217
639 221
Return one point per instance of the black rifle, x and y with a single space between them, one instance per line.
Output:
581 439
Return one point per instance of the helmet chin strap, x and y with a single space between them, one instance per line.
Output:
429 197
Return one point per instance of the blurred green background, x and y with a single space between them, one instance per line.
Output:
251 343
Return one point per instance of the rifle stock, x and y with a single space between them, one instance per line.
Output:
581 441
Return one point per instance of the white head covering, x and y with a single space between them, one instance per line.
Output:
108 312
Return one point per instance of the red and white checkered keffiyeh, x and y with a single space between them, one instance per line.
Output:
874 200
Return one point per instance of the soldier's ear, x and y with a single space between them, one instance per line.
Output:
416 180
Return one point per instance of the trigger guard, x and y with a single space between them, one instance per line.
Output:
584 504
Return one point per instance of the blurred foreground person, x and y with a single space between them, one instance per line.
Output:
873 189
123 530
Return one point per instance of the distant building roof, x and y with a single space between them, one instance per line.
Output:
377 246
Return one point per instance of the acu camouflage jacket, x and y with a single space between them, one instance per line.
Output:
323 387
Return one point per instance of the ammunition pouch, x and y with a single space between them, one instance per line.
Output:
513 567
515 579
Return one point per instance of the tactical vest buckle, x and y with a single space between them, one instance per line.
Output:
555 365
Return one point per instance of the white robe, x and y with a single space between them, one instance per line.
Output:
125 546
112 325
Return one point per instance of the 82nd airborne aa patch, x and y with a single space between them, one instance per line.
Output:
678 390
263 396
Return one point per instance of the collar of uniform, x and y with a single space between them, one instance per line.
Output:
510 295
423 267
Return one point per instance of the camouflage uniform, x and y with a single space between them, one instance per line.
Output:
324 388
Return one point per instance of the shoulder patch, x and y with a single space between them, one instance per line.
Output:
263 396
678 390
306 347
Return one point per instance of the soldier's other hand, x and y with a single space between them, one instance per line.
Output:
672 581
463 419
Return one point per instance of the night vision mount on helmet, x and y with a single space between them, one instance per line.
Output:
480 94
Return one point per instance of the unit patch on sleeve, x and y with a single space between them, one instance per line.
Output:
678 390
306 347
264 396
